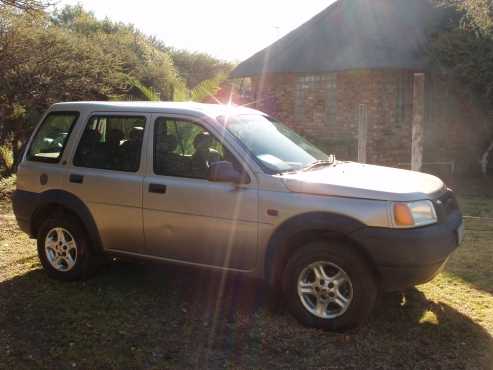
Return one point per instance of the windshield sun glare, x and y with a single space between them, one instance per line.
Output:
276 147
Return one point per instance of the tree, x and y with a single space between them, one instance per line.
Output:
197 67
142 60
25 5
71 55
204 90
41 64
154 71
465 51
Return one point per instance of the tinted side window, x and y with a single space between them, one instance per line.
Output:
111 143
51 138
185 149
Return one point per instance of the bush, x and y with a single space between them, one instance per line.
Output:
7 157
7 186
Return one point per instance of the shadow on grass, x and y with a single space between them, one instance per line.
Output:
151 316
472 261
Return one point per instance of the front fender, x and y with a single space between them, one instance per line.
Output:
316 222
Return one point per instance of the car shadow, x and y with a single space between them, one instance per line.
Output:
472 261
155 316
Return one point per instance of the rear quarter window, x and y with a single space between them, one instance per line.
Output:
52 136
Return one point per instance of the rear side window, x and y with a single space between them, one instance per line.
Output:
50 139
111 143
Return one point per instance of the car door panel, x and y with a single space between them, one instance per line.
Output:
201 222
115 201
114 198
189 222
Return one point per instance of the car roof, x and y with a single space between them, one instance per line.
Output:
186 108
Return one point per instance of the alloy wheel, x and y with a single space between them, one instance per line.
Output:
325 290
61 249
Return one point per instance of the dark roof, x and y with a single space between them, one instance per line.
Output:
351 34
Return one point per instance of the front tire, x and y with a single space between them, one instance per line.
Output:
63 248
329 286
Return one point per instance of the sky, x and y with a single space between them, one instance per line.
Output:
230 30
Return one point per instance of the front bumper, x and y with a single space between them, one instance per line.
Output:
408 257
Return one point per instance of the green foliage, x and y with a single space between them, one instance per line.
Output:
465 48
7 157
201 91
41 63
140 59
198 67
70 55
148 93
25 5
478 15
207 88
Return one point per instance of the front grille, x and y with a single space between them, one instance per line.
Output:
445 205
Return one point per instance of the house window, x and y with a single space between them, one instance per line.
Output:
330 81
401 98
310 82
299 105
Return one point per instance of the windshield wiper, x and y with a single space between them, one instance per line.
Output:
323 162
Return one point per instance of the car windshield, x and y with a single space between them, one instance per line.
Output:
275 146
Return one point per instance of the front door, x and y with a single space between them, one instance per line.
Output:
106 173
186 217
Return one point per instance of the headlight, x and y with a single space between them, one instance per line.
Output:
414 214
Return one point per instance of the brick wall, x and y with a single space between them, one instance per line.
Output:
327 109
457 126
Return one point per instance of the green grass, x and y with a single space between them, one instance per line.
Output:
154 317
476 206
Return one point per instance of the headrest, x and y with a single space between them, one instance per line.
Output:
91 136
115 136
203 139
136 133
167 144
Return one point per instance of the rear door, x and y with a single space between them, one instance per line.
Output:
186 217
106 173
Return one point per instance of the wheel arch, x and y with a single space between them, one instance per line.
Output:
293 233
63 202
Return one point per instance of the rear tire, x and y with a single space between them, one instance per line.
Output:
328 286
63 248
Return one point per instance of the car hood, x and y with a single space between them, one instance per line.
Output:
356 180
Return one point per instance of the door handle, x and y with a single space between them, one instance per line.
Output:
157 188
76 179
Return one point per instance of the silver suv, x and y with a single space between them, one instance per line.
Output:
230 189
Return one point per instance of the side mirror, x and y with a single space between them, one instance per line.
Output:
224 171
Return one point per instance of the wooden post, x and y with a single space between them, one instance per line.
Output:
362 133
418 122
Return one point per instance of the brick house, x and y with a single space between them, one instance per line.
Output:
346 78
